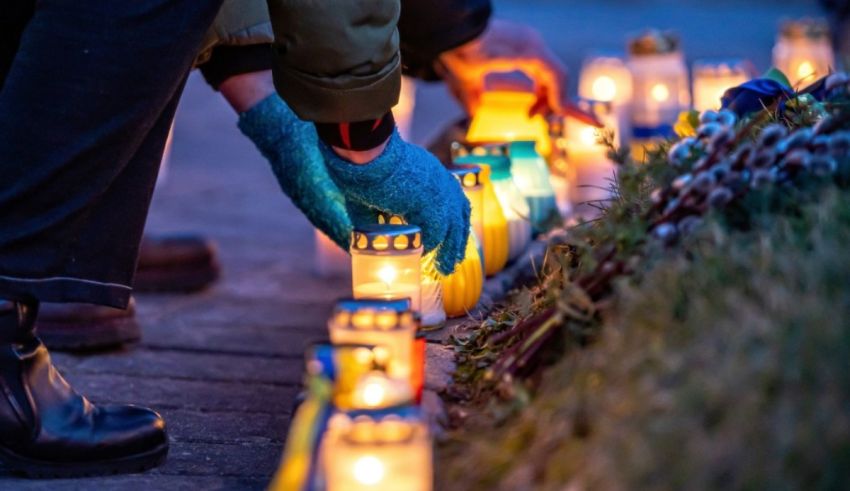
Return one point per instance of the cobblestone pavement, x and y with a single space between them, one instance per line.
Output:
223 366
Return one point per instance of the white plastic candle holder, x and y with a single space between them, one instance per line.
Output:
803 51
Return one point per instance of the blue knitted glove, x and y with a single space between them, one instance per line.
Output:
291 147
408 181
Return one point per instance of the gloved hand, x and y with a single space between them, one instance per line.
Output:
291 147
408 181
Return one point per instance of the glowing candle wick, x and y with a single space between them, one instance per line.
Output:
368 470
660 92
588 136
604 89
805 70
388 274
373 394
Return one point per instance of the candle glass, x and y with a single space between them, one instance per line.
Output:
660 88
462 288
385 263
469 177
431 312
713 78
331 261
803 51
531 176
359 377
594 172
562 175
377 453
503 116
513 204
494 238
605 77
388 325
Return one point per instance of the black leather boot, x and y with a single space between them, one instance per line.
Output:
48 430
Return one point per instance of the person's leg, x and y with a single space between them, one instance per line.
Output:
84 113
13 18
86 88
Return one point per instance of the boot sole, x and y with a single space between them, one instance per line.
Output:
88 335
126 465
179 279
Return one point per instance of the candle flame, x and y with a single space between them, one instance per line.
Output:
805 70
374 394
369 470
660 92
604 89
588 135
388 275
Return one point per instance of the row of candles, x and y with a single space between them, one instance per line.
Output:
375 437
638 99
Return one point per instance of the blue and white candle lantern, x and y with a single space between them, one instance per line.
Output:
660 86
531 176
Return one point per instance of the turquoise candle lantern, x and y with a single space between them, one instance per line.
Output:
512 201
531 176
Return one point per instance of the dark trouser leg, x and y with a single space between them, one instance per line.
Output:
84 114
13 18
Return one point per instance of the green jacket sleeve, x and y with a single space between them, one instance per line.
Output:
337 60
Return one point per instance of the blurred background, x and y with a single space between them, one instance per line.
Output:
707 28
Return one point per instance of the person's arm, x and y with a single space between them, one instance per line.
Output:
429 28
337 61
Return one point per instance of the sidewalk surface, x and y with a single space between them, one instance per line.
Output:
224 366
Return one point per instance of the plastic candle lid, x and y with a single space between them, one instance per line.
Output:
600 109
653 42
373 314
721 67
523 149
494 155
469 176
813 29
386 238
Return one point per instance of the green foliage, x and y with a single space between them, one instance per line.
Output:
716 360
723 366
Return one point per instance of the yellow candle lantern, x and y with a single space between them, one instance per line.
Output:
330 260
462 289
503 117
494 239
514 205
385 263
388 325
588 158
531 176
470 179
605 78
380 452
660 87
713 78
431 311
803 51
